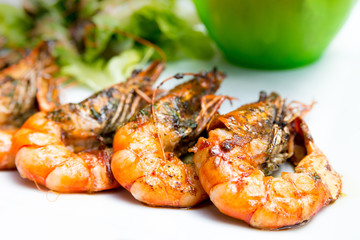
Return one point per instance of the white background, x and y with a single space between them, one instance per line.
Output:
333 82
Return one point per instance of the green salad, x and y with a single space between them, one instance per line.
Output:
92 38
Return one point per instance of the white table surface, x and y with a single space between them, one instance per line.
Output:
333 82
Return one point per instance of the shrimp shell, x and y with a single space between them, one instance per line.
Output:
67 149
25 88
233 160
150 168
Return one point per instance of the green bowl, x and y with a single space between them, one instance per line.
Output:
273 34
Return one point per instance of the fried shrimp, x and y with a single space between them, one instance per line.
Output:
67 150
244 146
26 87
147 150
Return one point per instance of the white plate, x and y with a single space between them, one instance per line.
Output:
333 82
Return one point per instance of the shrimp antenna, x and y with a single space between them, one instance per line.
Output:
145 43
44 191
176 76
209 106
302 108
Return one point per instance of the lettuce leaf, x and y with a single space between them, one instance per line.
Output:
92 42
14 25
98 75
155 23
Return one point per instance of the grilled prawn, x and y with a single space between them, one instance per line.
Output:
25 88
147 149
244 146
67 150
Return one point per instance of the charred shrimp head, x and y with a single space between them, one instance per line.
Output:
25 88
28 86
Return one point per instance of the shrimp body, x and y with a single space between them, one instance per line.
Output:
67 150
150 168
26 87
6 156
245 146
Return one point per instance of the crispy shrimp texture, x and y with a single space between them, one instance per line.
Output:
146 152
244 146
67 150
25 88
